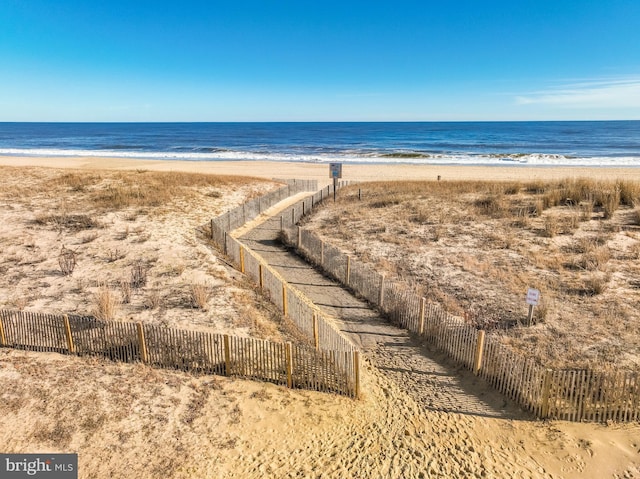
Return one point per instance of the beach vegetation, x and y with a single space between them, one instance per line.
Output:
48 207
595 284
105 303
629 192
551 225
67 261
478 246
490 205
153 299
73 222
89 237
125 290
138 274
115 255
200 294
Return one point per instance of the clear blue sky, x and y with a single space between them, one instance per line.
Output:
321 60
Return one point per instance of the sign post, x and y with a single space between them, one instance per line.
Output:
335 172
533 298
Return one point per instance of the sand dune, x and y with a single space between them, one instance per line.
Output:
134 421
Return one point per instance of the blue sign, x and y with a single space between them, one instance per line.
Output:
335 170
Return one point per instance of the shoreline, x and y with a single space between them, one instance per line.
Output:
320 171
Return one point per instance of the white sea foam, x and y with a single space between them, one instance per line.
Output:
533 159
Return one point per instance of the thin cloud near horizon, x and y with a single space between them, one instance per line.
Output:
598 93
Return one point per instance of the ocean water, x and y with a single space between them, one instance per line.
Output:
563 143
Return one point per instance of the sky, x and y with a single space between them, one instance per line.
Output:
272 60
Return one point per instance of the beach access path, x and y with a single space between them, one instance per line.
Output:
424 374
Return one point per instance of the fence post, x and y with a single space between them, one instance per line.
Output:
260 277
227 356
316 337
143 345
288 358
285 308
347 275
423 304
381 293
211 228
546 393
67 333
356 367
225 243
293 216
477 363
241 259
281 223
3 338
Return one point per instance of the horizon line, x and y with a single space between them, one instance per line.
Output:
320 121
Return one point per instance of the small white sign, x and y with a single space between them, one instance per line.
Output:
533 297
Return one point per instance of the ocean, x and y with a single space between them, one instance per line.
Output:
561 143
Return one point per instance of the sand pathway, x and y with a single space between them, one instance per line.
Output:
420 416
422 373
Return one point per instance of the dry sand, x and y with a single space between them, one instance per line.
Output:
134 421
131 420
360 172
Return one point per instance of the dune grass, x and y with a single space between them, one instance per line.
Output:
126 245
476 247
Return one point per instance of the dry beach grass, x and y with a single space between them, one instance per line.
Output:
127 246
476 247
138 254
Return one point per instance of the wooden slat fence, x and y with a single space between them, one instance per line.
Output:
32 331
298 307
114 340
273 287
296 366
311 246
402 306
568 394
238 216
232 249
319 328
457 340
365 281
330 338
514 375
335 262
304 316
252 266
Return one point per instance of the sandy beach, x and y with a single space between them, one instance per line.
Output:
131 419
357 172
